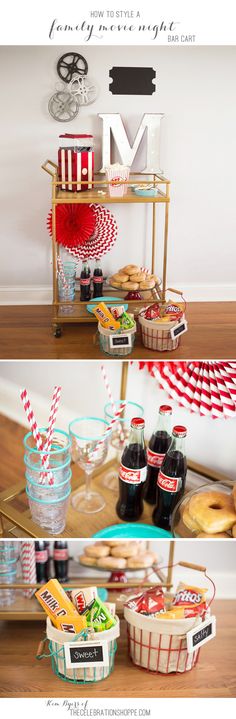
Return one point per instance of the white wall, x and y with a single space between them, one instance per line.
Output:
210 442
198 153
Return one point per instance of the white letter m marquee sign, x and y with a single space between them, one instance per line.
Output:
113 125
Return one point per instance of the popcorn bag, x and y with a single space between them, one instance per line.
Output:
76 162
115 174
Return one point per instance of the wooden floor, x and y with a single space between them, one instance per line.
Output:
22 675
25 333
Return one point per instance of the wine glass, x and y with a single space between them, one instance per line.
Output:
88 451
119 436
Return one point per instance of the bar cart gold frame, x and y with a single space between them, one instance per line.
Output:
93 196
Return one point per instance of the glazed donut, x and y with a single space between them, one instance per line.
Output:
148 284
189 522
139 277
112 563
213 511
130 269
140 561
130 286
113 542
234 531
221 535
96 550
120 277
87 561
115 284
125 550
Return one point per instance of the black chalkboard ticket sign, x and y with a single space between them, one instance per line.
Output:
86 654
178 329
200 635
120 341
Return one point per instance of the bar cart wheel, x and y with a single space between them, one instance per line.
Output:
57 331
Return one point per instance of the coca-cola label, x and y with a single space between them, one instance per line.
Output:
154 459
85 281
60 554
132 476
97 278
41 556
169 484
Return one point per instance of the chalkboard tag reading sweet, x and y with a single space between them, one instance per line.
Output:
178 329
120 341
86 654
200 635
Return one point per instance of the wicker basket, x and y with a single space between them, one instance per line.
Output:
119 351
160 646
57 640
157 336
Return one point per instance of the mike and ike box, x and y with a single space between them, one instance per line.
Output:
59 608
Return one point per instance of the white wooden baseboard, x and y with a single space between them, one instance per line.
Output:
42 294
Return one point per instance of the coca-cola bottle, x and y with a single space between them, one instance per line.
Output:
41 559
157 448
132 474
85 278
171 479
97 280
61 561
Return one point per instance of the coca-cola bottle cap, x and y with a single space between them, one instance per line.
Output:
165 409
138 422
179 431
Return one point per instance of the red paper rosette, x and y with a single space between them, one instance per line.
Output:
89 231
74 224
103 238
208 387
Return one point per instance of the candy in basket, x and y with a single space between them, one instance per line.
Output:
165 635
81 631
162 325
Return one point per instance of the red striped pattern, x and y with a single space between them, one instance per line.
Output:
208 388
28 565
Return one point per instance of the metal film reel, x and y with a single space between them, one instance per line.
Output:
84 89
63 106
71 64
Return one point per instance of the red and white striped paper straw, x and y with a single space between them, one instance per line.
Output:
110 395
52 418
35 430
28 565
144 269
108 429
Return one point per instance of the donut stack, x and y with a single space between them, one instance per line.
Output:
211 514
132 278
117 555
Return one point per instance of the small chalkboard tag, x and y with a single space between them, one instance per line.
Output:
120 341
201 634
132 81
178 329
85 654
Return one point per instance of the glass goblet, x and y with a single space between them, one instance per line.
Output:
90 440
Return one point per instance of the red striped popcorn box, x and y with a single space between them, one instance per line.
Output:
76 162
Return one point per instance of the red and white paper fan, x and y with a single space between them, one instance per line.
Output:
103 238
75 224
98 241
208 388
